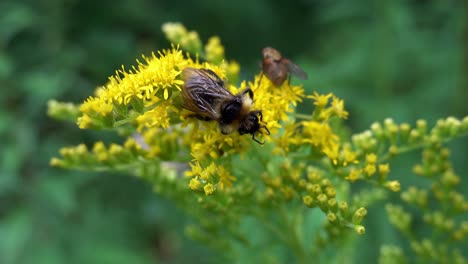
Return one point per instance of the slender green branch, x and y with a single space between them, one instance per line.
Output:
402 150
303 116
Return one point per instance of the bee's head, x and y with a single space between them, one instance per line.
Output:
271 53
251 124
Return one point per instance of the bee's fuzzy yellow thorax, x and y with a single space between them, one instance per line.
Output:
246 104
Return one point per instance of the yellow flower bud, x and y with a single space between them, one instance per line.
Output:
308 200
195 184
394 186
384 170
371 158
360 230
209 189
55 162
331 217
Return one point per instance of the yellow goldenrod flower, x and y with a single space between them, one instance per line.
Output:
360 230
288 138
96 106
332 204
196 169
371 158
343 206
331 217
156 117
55 162
174 31
359 215
384 170
275 103
337 108
394 186
178 34
318 163
370 169
349 156
308 200
209 189
141 87
99 147
321 100
225 178
85 122
322 199
354 175
81 149
195 184
232 71
214 51
321 135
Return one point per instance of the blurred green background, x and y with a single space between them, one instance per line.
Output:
391 58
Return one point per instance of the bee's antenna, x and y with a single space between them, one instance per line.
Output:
249 91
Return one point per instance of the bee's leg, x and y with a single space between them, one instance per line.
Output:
266 128
260 117
256 140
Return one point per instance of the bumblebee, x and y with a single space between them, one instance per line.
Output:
205 95
277 68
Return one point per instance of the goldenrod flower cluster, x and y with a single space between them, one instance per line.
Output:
305 161
441 205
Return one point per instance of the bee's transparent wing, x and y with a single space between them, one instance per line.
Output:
203 91
296 70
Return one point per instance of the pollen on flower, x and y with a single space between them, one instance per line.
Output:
370 169
225 178
214 50
84 122
276 104
154 79
349 156
384 170
321 100
354 175
371 158
308 200
99 106
337 107
196 169
99 147
322 136
156 117
209 189
393 186
195 184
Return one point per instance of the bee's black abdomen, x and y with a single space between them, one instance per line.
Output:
229 112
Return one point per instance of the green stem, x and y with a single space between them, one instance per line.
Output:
402 150
295 241
303 116
125 121
101 168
